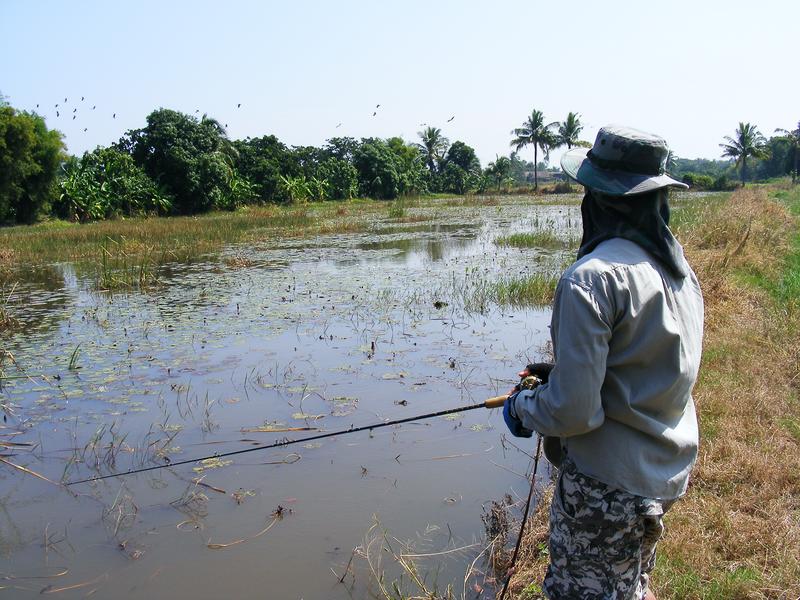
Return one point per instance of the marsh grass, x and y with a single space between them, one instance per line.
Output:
534 290
119 270
736 534
179 237
533 239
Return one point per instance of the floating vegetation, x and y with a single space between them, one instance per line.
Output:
343 405
274 427
275 518
301 416
211 463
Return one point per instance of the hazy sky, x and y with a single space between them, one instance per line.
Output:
687 70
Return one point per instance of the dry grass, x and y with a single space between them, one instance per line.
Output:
736 534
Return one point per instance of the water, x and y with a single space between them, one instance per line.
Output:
327 333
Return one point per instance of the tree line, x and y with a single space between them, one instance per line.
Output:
182 164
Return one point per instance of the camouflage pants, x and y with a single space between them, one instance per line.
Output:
602 540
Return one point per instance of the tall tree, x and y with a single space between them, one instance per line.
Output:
569 130
499 169
747 142
535 133
794 138
192 159
30 155
433 147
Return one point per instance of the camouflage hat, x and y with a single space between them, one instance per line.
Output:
623 161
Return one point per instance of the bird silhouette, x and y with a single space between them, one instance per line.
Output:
197 111
226 125
73 117
85 129
375 113
95 106
337 127
114 116
57 114
56 105
65 100
37 106
239 105
74 110
451 118
377 106
81 98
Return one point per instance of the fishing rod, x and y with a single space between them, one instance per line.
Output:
524 516
495 402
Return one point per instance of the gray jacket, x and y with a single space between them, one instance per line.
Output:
627 338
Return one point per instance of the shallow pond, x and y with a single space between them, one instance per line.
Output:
239 349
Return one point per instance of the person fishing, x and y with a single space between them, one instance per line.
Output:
615 407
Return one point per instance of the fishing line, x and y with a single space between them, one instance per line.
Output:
491 403
525 515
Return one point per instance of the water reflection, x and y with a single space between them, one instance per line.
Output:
241 348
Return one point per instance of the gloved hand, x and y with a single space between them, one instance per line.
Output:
512 421
541 370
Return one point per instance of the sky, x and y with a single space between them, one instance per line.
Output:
307 71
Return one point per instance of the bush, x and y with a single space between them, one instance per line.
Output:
105 183
698 181
723 184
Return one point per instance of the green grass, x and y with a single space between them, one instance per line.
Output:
687 213
534 239
534 290
685 583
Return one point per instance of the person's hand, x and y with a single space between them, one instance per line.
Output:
513 422
541 370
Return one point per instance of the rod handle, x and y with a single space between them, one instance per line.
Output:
496 402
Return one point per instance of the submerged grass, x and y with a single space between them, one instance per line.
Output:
736 534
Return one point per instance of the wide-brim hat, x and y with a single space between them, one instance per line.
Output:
623 162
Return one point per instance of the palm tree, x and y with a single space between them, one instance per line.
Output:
499 169
794 138
433 147
748 142
534 132
569 130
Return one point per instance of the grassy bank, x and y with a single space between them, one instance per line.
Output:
736 534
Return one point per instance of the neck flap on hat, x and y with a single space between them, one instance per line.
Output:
642 219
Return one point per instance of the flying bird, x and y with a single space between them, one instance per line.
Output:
65 100
57 114
239 105
74 110
56 105
377 106
451 118
85 129
375 113
95 106
114 116
81 98
337 127
73 117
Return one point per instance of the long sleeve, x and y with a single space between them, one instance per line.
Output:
570 403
